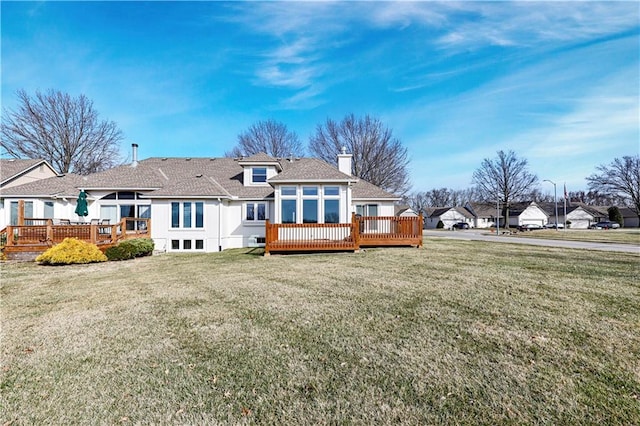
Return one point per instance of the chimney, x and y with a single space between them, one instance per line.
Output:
344 161
134 149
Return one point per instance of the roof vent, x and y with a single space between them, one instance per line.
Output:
199 175
134 152
188 159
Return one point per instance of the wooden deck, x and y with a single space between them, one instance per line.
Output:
363 231
37 235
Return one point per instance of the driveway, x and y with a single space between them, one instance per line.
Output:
484 235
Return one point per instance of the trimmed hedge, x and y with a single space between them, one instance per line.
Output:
70 251
129 249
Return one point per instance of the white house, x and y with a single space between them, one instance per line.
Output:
448 216
526 214
211 204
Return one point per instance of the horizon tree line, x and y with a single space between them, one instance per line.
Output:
68 133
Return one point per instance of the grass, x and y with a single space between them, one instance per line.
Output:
618 236
458 332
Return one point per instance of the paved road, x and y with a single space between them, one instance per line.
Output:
482 235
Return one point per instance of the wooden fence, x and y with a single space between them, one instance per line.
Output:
363 231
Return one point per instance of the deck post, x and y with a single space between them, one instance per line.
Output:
49 230
20 212
9 236
267 237
420 226
355 230
93 234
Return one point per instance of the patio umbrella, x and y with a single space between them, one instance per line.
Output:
81 207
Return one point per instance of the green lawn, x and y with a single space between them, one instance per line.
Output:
457 332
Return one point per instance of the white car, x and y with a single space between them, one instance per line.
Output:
554 226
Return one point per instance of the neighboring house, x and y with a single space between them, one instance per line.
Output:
15 172
404 211
448 216
50 198
527 213
629 217
211 204
484 214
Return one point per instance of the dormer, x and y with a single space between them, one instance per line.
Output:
258 169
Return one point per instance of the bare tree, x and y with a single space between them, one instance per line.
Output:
417 201
505 178
378 157
439 197
620 178
63 130
270 137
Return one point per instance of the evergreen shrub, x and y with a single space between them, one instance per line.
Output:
70 251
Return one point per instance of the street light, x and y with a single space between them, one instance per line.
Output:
555 198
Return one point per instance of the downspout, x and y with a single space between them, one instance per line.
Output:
219 224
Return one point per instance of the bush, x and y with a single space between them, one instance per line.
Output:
140 246
119 252
70 251
440 225
129 249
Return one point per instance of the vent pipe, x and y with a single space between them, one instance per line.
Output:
134 154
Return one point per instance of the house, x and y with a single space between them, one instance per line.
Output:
15 172
484 214
212 204
527 213
404 211
448 216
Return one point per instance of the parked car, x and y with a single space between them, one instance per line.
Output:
461 225
605 225
529 227
554 226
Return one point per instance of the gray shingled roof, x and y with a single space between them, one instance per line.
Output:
63 186
309 170
213 177
12 167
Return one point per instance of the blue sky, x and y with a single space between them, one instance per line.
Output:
556 82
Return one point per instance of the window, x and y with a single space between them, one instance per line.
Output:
288 190
127 210
310 191
186 215
310 211
199 244
259 175
28 211
288 211
175 244
109 212
187 210
48 209
186 244
255 211
175 215
331 190
199 215
331 211
367 209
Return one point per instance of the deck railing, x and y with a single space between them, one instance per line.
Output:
39 234
363 231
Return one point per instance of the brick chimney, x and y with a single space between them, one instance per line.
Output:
344 161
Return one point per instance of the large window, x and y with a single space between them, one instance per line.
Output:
309 211
259 175
48 209
28 211
288 211
255 211
331 211
182 215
